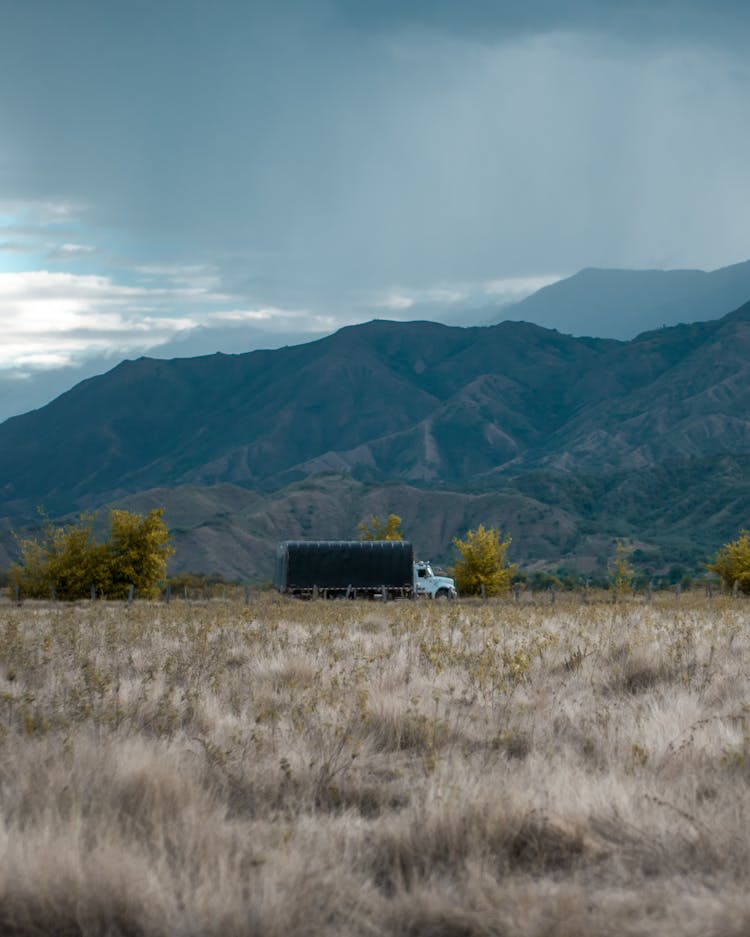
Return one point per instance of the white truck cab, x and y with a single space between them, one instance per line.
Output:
426 583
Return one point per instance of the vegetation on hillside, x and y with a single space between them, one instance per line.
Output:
675 516
376 529
68 561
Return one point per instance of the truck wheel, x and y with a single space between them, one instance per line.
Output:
443 595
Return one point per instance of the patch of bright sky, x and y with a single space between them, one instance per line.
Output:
498 292
70 291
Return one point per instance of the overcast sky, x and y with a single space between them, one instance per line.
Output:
296 166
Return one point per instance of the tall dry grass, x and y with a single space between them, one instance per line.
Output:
351 769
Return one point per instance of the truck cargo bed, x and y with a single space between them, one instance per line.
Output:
345 567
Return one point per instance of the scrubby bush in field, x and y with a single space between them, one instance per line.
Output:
620 571
732 563
192 582
69 560
483 562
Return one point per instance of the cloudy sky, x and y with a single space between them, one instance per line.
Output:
180 175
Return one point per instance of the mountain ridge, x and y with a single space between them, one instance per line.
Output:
675 516
642 300
386 400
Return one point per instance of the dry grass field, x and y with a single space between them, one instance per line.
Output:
342 768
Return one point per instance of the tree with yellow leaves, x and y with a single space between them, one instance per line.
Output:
620 571
483 562
375 529
68 561
732 563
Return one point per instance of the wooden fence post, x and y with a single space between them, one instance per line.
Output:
93 592
131 593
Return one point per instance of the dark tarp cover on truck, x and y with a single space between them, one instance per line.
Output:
337 564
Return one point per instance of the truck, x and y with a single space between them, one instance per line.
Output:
383 569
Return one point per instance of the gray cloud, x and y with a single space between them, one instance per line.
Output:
309 154
489 20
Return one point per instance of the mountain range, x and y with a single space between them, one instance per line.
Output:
566 441
604 303
623 303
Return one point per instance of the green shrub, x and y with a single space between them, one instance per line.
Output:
69 560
